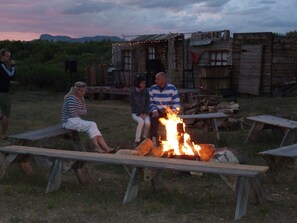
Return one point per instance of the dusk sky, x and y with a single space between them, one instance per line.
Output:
27 20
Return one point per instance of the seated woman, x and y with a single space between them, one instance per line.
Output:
74 107
139 101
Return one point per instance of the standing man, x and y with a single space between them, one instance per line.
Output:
7 72
162 95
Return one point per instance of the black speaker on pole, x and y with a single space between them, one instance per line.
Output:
70 66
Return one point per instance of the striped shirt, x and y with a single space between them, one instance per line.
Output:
73 107
161 98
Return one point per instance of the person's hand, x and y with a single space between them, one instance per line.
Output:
12 62
143 116
155 114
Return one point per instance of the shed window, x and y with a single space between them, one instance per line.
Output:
151 53
127 60
218 58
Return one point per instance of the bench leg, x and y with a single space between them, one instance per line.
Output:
258 190
81 172
242 191
5 160
133 186
255 129
55 176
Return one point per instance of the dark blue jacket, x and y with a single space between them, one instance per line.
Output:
139 101
6 75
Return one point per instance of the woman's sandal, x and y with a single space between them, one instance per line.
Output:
110 150
99 150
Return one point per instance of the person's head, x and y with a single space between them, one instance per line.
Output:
5 55
161 79
79 88
139 82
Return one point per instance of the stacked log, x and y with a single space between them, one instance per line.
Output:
214 103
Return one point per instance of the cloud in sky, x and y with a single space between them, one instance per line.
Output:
76 18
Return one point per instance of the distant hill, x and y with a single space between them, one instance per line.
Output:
81 39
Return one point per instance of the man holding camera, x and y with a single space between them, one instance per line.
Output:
7 72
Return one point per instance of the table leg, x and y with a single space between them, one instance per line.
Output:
288 138
55 176
5 160
133 186
255 129
242 191
81 172
215 128
258 190
275 164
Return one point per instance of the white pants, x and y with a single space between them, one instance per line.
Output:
82 126
142 125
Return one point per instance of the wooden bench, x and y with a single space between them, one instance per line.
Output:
246 174
207 116
276 158
286 126
38 138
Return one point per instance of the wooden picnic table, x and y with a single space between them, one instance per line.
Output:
207 116
276 158
38 138
247 175
286 126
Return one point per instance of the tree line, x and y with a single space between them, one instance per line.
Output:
41 63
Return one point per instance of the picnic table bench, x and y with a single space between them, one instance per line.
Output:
207 116
286 126
38 137
247 175
276 158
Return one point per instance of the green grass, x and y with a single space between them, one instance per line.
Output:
182 197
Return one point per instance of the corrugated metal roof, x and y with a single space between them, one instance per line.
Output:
204 42
155 37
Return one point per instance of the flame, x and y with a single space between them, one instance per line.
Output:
178 142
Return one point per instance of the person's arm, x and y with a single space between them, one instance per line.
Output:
152 107
9 72
82 110
72 107
175 100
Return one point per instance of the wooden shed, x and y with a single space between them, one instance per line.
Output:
262 62
149 54
210 56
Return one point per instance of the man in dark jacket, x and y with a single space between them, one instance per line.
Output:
7 72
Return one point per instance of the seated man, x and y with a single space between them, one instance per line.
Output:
162 95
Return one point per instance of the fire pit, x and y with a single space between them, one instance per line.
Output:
178 143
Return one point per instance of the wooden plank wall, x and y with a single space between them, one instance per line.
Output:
284 62
264 39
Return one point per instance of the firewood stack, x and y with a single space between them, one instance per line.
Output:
214 103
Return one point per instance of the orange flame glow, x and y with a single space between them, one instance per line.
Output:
178 142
